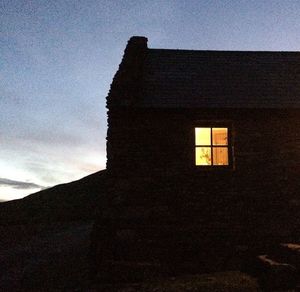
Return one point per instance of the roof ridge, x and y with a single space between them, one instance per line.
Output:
224 51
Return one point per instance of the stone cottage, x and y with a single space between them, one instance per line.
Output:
203 151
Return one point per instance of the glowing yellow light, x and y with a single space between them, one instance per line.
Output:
211 146
202 136
203 156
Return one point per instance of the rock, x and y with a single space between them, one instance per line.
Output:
276 275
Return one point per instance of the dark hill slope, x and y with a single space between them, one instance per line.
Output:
76 200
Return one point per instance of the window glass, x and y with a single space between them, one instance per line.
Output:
220 156
203 156
202 136
211 146
219 136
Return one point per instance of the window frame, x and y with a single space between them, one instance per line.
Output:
229 146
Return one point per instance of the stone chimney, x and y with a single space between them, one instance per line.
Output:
126 86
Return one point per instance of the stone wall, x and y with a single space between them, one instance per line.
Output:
265 143
160 144
160 207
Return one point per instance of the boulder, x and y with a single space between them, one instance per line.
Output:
276 275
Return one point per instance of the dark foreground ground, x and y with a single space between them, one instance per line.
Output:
45 240
54 257
44 257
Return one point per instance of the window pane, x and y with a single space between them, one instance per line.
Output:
202 136
219 136
203 156
220 156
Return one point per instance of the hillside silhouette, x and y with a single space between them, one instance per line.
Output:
76 200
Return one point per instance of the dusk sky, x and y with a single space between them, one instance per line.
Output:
58 58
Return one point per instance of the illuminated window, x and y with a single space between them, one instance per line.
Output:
211 147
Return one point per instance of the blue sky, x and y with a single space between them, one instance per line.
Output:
58 58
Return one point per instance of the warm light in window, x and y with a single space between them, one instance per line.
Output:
203 136
220 155
211 146
219 136
203 156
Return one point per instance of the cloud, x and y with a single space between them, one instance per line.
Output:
4 182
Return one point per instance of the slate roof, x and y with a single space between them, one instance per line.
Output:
220 79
